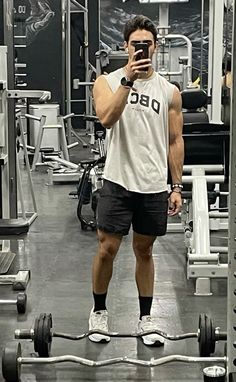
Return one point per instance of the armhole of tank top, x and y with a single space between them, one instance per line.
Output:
170 95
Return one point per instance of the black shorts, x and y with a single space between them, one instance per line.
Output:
119 208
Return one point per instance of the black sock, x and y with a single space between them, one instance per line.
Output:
99 301
145 304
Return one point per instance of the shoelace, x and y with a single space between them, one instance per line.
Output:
148 324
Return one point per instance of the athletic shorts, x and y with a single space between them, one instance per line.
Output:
119 208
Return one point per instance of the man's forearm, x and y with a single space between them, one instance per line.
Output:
176 160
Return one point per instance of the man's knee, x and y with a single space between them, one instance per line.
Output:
142 245
143 251
108 246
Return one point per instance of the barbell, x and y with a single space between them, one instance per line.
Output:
41 334
12 361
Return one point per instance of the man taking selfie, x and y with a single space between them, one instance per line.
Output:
142 113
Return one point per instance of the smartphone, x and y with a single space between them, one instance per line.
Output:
144 54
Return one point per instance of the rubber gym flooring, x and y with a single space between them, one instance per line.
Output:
59 256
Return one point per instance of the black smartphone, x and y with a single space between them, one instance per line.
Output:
144 54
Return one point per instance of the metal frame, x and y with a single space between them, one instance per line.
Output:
188 67
203 262
4 154
231 316
69 99
215 58
7 96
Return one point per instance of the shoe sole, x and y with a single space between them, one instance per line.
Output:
99 339
157 343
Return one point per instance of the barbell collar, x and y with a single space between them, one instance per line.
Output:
24 334
220 336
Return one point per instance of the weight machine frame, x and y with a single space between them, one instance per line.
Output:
231 308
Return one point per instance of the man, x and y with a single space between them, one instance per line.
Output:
143 117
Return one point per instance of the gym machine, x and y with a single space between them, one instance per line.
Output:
231 311
78 97
91 180
88 190
215 59
12 227
203 259
205 168
7 224
168 54
19 226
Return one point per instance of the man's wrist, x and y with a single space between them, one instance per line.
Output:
177 187
126 83
178 191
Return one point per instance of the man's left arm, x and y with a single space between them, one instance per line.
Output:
176 151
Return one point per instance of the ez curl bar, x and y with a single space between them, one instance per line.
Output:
42 334
12 361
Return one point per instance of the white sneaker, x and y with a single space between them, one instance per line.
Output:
147 324
98 321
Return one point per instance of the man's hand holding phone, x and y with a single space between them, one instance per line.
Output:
140 62
141 55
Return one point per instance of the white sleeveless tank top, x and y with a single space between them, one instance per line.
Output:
137 145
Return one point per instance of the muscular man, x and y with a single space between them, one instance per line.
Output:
143 117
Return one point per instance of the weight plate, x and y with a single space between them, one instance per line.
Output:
202 334
42 335
36 334
11 368
21 303
213 339
208 336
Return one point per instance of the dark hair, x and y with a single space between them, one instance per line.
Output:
139 22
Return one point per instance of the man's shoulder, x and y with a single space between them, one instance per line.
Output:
118 73
164 80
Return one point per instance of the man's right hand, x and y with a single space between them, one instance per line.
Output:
134 68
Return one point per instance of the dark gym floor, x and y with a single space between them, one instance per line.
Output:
59 256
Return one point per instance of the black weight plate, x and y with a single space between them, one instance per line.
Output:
202 334
36 334
225 354
213 339
208 336
42 335
11 369
21 303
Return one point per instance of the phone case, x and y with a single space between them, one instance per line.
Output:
144 53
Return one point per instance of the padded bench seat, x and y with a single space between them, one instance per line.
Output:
13 226
206 143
